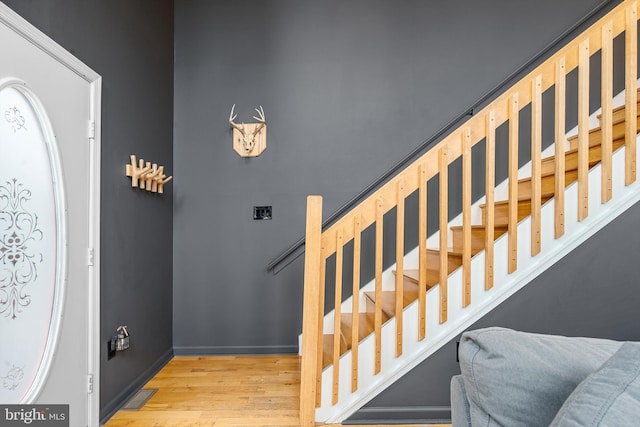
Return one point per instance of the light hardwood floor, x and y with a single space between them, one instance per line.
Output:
216 391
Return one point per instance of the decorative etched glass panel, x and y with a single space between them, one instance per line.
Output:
31 244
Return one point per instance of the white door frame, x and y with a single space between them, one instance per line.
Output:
53 49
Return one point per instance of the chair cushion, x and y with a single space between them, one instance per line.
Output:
460 415
521 379
610 397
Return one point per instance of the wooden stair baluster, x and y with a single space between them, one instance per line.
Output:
536 165
583 130
631 92
338 337
322 343
513 205
606 117
466 217
378 278
490 177
422 250
443 170
355 307
560 146
399 265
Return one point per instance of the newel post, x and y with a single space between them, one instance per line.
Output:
311 312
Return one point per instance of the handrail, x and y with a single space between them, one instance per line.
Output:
449 126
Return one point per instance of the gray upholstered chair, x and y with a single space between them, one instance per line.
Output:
513 379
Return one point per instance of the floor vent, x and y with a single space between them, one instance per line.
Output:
139 399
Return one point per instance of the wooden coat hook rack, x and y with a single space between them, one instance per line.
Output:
146 175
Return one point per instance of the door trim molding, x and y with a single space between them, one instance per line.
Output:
94 242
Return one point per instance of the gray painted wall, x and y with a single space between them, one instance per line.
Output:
131 45
349 88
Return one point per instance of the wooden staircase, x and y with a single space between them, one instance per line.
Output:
373 338
478 233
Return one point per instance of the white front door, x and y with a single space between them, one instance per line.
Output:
49 164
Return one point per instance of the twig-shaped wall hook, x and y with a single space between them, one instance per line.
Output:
161 181
136 172
150 177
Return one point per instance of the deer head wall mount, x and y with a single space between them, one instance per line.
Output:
249 139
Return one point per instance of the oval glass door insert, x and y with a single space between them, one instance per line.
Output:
32 246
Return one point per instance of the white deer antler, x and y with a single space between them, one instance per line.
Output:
232 117
261 119
260 112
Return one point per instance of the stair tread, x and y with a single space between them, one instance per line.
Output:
595 138
506 202
547 185
450 252
389 299
527 179
366 325
501 216
478 227
571 158
617 117
478 236
413 275
433 276
621 108
327 350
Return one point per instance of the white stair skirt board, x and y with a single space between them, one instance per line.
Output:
369 385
